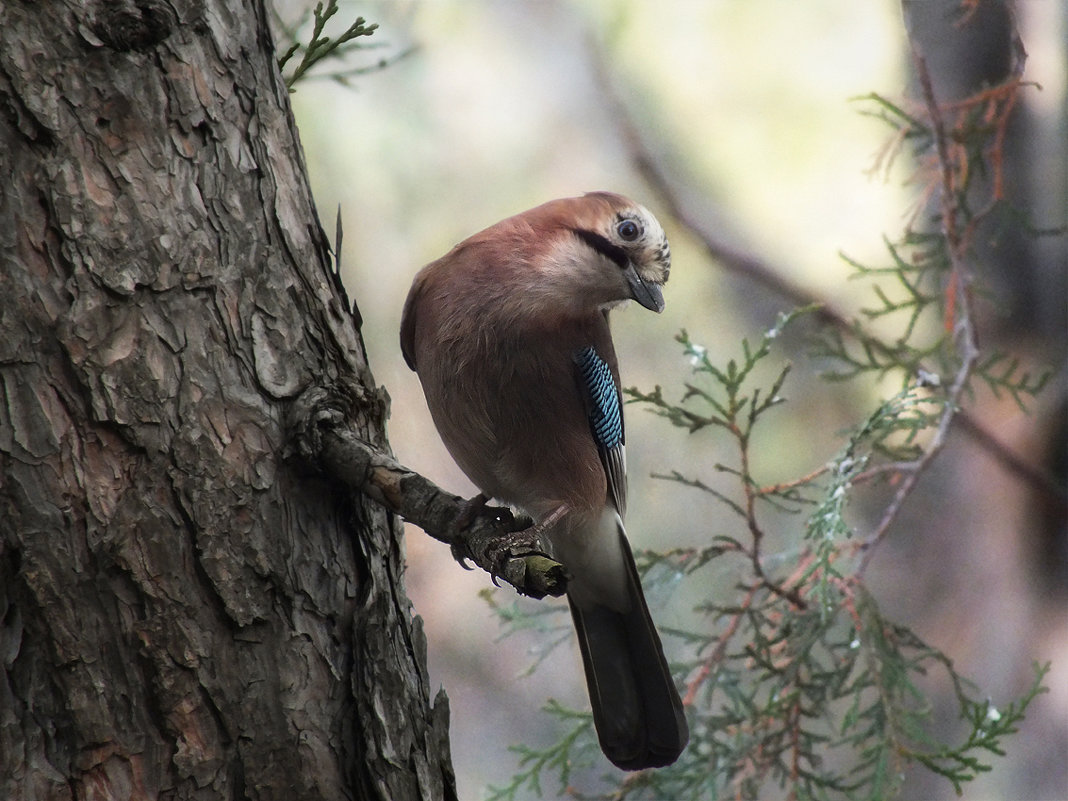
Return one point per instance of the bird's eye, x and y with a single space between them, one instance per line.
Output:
628 230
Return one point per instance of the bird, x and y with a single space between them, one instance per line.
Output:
509 336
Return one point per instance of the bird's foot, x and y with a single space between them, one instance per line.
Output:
523 540
473 508
508 546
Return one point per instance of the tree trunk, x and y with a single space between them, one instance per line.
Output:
184 612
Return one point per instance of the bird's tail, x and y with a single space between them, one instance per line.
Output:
636 708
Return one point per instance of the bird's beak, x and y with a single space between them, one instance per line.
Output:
645 292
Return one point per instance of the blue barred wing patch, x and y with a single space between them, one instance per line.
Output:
606 415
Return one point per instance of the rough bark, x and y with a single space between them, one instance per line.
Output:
184 613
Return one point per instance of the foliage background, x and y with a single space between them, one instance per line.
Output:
493 107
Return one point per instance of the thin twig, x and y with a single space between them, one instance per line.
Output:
793 596
804 481
968 347
720 651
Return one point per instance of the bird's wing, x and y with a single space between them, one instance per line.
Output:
603 402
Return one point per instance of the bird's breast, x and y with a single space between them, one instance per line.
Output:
509 410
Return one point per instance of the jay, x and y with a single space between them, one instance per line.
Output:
508 333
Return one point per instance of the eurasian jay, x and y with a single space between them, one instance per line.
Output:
508 333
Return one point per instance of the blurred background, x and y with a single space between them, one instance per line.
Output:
490 107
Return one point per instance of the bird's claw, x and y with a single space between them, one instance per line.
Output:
502 547
461 555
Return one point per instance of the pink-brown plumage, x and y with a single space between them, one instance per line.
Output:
493 329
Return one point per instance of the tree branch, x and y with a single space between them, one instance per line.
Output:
492 538
961 277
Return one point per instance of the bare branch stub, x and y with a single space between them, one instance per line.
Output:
489 537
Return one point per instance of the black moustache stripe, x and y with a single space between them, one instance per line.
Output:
597 242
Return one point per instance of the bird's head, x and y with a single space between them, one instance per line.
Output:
593 252
629 248
567 258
